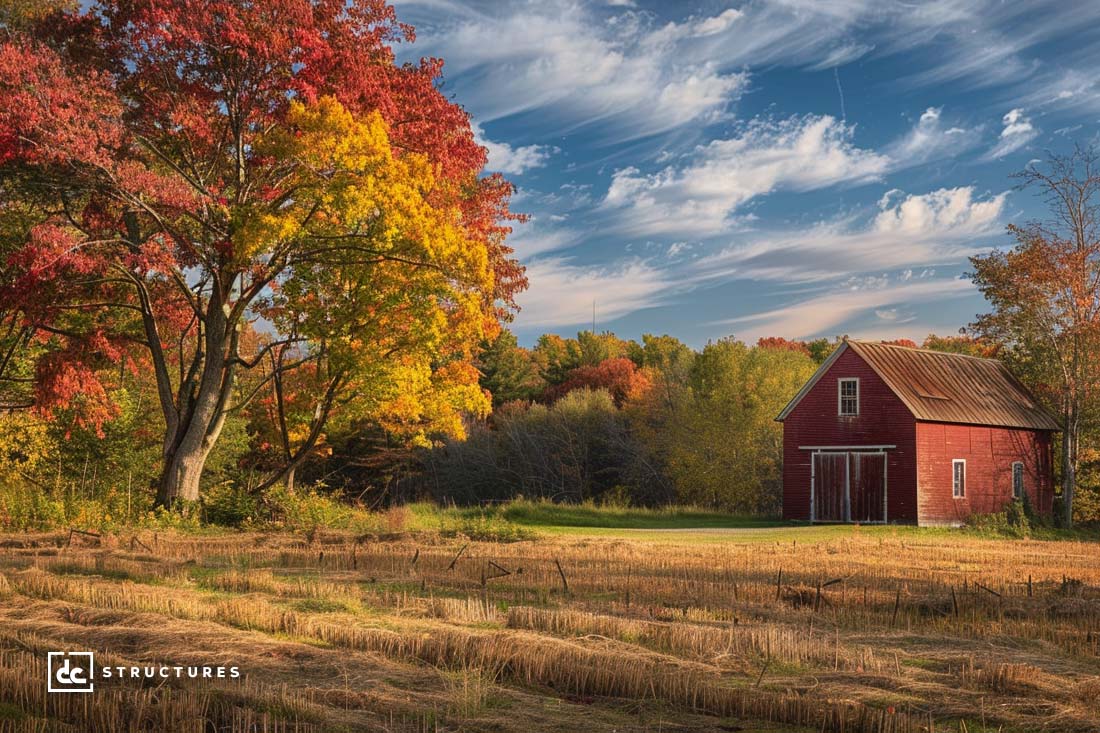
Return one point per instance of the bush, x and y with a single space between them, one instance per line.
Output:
25 508
1086 506
488 528
1018 513
578 449
308 509
1012 521
229 505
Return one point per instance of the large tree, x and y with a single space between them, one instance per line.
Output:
723 446
1045 295
172 170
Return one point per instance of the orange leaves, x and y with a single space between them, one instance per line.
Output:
51 117
66 384
619 376
782 344
180 167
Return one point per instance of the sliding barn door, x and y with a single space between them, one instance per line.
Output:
830 486
868 487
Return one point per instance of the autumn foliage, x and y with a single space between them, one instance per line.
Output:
176 171
621 378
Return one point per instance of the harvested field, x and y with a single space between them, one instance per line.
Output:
871 631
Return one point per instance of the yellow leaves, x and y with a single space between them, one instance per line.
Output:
381 268
325 134
429 402
263 228
345 188
24 442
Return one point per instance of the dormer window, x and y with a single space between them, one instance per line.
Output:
847 397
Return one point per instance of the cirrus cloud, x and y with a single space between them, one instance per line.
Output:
563 293
921 230
1017 133
796 154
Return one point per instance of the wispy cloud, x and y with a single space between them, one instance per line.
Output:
701 197
519 55
930 139
561 58
563 293
909 236
514 160
538 237
939 227
797 154
1017 133
844 53
828 311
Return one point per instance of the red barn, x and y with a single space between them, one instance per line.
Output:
886 433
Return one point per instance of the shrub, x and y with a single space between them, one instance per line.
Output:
186 517
1012 521
396 519
229 505
488 528
1018 513
24 507
1086 506
308 509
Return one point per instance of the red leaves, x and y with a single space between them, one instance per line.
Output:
778 343
50 115
67 380
52 252
619 376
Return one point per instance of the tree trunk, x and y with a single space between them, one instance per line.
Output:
1069 467
199 420
180 478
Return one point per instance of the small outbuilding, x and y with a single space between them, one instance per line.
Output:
885 433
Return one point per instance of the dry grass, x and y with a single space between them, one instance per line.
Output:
333 632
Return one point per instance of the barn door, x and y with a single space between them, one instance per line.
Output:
867 486
830 487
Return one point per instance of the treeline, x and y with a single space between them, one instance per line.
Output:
592 418
605 419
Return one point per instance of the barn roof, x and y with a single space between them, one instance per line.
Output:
941 387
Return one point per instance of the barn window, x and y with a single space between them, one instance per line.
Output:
1018 480
958 478
848 396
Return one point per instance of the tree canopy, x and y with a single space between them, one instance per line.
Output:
173 171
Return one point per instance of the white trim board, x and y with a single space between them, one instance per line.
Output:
847 447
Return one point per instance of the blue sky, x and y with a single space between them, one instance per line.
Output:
795 168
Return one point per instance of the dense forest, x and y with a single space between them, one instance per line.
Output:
592 418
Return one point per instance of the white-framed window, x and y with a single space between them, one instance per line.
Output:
847 396
958 478
1018 480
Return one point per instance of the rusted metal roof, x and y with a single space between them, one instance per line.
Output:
941 387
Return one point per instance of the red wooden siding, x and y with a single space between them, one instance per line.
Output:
883 420
830 474
867 476
989 453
